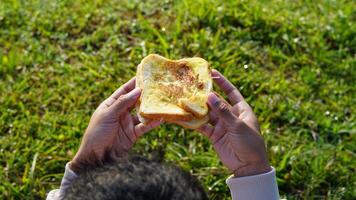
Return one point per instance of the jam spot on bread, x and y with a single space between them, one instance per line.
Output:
200 85
176 80
181 72
172 91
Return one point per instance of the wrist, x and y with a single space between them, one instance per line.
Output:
81 162
253 169
74 167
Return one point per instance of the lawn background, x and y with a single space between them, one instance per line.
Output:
294 61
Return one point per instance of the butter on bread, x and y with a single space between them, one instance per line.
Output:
174 90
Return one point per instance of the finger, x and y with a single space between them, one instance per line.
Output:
222 109
206 130
128 127
141 128
124 102
218 133
242 109
124 89
229 89
235 109
213 118
135 119
246 114
221 97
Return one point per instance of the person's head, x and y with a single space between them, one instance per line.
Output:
136 178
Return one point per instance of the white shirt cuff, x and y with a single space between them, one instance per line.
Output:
67 180
261 186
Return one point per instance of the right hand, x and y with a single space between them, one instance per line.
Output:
234 132
112 130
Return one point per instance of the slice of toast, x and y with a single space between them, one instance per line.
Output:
174 90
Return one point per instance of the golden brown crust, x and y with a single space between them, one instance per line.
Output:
193 124
167 117
196 113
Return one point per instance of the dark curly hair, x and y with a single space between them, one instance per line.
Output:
136 178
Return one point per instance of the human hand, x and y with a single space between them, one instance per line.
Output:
234 131
112 130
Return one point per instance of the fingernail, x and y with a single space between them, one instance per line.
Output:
213 99
214 72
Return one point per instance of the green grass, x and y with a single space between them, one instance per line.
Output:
294 61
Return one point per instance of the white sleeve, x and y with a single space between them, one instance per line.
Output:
261 186
68 178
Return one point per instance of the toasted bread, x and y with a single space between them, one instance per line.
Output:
174 90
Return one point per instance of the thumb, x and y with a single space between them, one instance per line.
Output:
221 108
126 101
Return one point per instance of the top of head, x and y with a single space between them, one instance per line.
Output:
174 90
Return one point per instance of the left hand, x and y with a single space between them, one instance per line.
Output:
234 131
112 130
